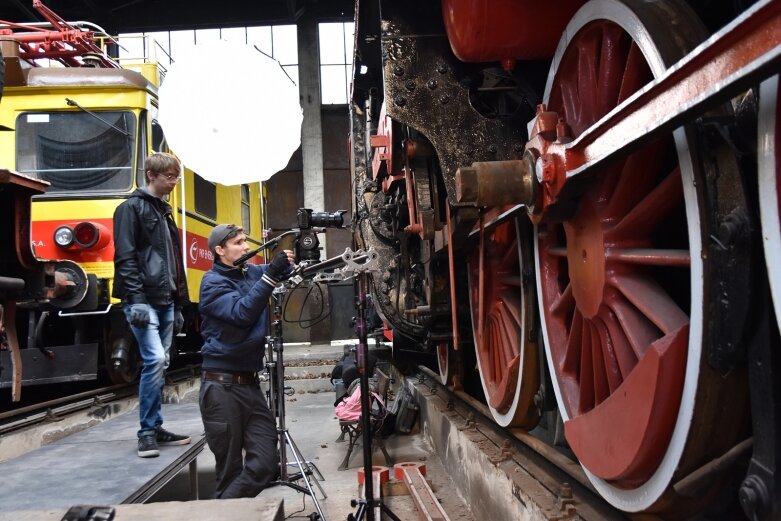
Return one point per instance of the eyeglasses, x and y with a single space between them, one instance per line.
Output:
171 177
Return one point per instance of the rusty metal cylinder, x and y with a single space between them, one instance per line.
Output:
495 183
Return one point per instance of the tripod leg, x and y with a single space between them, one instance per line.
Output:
389 512
359 514
305 471
313 467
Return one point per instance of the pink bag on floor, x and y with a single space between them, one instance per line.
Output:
350 408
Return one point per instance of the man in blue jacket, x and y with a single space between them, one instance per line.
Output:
149 278
240 429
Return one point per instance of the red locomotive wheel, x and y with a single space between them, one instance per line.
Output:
622 284
769 160
502 316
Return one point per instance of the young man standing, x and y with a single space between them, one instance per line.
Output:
149 278
240 429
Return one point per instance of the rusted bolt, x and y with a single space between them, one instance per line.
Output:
410 85
432 84
469 423
492 149
566 491
400 101
442 68
562 132
507 449
754 496
444 100
398 70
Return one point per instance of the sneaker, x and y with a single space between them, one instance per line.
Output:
147 447
169 438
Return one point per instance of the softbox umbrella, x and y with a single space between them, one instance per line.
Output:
230 113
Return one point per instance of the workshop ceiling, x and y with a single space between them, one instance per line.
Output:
123 16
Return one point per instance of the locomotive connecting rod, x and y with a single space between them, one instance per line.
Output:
739 56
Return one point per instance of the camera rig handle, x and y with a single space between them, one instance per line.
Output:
266 245
345 266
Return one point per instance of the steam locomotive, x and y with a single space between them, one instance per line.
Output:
576 207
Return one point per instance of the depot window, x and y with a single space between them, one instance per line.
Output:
336 58
205 194
77 151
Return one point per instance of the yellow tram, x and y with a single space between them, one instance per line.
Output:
86 128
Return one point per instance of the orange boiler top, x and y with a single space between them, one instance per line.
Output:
505 30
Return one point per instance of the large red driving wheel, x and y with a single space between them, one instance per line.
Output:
622 283
501 302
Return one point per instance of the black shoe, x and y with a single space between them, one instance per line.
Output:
169 438
147 447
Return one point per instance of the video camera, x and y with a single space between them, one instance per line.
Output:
306 243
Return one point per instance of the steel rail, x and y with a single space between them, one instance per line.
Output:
17 419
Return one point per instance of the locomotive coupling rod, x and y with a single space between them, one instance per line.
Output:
737 57
496 183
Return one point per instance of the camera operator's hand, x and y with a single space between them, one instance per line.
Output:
281 267
139 315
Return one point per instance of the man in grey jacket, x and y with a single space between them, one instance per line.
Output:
149 278
240 429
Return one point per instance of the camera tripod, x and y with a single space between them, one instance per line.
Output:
306 470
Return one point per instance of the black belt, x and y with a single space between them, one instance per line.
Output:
231 378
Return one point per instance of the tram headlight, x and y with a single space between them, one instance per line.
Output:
86 234
63 236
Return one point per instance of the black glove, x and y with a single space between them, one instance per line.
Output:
280 268
139 315
178 321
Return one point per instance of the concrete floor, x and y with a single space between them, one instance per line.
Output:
313 427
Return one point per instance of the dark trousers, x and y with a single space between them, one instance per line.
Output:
242 434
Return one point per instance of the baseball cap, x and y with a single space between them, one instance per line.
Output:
220 233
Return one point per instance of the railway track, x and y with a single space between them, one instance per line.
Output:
549 476
30 427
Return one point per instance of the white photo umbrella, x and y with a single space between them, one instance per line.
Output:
230 113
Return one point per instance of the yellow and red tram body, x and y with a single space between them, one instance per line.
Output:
87 131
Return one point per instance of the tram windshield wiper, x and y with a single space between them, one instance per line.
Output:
72 103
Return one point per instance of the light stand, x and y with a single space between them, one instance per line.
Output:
307 471
357 264
367 505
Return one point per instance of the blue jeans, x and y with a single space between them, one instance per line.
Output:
154 345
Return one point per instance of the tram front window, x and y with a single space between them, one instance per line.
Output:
77 151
